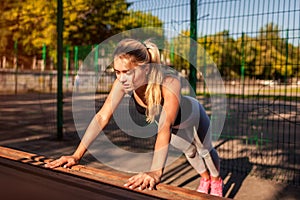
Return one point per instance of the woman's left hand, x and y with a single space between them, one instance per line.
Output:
143 181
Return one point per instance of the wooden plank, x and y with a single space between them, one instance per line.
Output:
114 178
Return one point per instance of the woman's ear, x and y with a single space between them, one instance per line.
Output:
147 69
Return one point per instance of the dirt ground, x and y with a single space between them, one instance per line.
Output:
28 123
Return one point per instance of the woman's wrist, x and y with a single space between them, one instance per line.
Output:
77 155
80 151
158 174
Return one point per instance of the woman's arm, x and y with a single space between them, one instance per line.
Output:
101 119
171 95
97 124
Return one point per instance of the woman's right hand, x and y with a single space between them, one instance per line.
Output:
64 161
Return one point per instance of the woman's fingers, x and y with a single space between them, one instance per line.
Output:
53 164
152 184
69 164
141 181
145 184
134 182
131 181
64 161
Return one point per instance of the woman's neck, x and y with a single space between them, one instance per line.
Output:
139 95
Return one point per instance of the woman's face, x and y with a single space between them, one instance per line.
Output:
130 75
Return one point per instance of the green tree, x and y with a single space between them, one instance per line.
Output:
138 19
32 24
86 22
223 51
5 34
92 21
181 47
272 62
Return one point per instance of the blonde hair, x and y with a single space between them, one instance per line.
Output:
144 53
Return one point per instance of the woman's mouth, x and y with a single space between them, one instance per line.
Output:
126 86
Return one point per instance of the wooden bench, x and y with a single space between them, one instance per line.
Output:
114 179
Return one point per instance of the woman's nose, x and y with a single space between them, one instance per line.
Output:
122 78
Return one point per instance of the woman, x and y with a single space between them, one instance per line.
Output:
182 121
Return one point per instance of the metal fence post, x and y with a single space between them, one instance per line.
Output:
76 59
193 47
204 70
67 66
44 55
59 69
243 65
96 67
286 63
16 66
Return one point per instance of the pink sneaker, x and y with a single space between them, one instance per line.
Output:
204 185
217 188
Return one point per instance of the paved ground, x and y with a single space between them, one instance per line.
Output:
27 122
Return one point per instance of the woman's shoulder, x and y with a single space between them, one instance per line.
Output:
171 81
117 88
171 87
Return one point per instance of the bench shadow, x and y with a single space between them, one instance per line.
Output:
232 176
233 179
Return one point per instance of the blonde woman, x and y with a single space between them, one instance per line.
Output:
181 120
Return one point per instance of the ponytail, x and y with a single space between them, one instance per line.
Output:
153 92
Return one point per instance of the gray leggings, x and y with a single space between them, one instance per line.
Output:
193 138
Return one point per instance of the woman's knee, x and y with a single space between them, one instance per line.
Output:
188 148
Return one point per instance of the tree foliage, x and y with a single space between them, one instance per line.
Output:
32 24
266 56
86 22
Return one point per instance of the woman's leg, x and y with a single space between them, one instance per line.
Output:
184 144
212 162
208 153
196 137
203 143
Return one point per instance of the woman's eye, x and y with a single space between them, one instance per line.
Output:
129 72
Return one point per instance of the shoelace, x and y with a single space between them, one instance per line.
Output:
203 183
217 187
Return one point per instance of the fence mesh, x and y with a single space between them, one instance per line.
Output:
255 45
